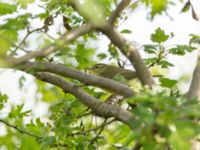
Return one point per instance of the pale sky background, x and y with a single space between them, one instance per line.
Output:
181 26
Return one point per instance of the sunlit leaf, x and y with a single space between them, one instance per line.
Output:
7 38
6 8
151 49
158 6
181 49
18 113
24 3
165 82
102 56
127 31
159 36
20 22
3 100
195 39
186 7
165 64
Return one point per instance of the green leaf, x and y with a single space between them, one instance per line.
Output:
185 132
84 55
113 51
127 31
151 49
6 8
43 16
3 100
159 36
47 141
102 56
179 142
195 39
24 3
3 97
181 49
168 83
39 123
186 7
119 78
165 64
7 37
149 61
17 112
158 6
22 79
20 22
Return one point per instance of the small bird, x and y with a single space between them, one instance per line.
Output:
109 71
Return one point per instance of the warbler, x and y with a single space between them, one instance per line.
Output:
109 71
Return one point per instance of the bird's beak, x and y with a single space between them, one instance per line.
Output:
88 68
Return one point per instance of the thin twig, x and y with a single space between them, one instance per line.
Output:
100 131
59 145
28 133
83 115
18 129
25 37
157 61
120 7
64 39
93 129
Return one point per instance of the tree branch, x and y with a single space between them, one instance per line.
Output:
28 133
25 38
66 38
101 109
131 53
126 48
93 129
194 90
62 70
116 13
18 129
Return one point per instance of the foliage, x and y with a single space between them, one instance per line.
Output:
163 119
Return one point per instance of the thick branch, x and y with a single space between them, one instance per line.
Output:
66 38
194 90
62 70
101 109
120 7
126 48
131 53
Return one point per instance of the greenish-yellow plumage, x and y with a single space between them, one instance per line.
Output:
109 71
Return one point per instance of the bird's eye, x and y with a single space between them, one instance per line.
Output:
98 66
